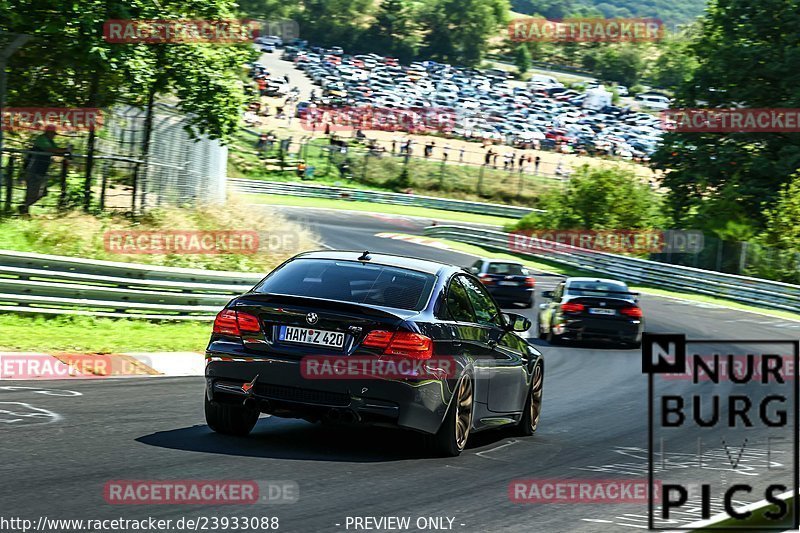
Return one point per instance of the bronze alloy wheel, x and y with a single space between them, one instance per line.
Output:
464 412
536 396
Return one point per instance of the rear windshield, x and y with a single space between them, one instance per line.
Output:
507 269
599 288
350 281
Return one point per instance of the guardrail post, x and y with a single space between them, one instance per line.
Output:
62 199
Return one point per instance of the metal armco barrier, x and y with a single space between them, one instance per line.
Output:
360 195
742 289
38 283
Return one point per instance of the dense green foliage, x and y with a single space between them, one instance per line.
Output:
68 63
670 11
595 199
748 55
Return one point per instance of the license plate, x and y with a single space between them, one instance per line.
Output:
508 283
599 311
315 337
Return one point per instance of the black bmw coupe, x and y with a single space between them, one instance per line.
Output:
351 337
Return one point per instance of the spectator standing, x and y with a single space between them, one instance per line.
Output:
461 155
536 165
42 150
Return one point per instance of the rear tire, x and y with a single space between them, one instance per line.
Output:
230 419
451 439
533 406
528 304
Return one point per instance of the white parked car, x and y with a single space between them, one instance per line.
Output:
653 101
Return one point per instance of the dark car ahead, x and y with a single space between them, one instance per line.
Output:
591 309
509 282
466 368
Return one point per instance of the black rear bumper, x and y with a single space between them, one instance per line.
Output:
600 329
281 390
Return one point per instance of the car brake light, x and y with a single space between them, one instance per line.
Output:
530 281
485 279
230 322
572 308
632 311
401 343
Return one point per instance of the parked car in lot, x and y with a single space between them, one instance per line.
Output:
514 115
591 309
470 371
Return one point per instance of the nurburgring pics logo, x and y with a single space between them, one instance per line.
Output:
571 30
60 118
178 31
737 120
744 403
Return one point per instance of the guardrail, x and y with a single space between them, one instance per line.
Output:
742 289
39 283
360 195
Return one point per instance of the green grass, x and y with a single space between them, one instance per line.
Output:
77 234
389 209
555 268
84 334
428 177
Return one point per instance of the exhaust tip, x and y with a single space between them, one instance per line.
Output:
250 403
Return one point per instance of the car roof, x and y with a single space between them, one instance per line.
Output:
412 263
596 280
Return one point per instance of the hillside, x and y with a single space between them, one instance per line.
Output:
670 11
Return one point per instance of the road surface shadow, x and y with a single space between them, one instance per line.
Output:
277 438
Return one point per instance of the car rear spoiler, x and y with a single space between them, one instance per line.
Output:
605 292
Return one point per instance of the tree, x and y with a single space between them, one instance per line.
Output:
394 31
458 31
620 63
598 198
748 55
522 59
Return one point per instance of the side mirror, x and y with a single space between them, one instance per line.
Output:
547 294
474 270
517 322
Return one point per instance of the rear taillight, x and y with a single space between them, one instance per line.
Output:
230 322
572 308
530 281
632 311
485 279
401 343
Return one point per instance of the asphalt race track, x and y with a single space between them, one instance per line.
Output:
64 446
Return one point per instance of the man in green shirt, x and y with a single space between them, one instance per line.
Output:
38 163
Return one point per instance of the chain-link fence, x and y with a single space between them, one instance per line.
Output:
499 173
116 175
741 258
